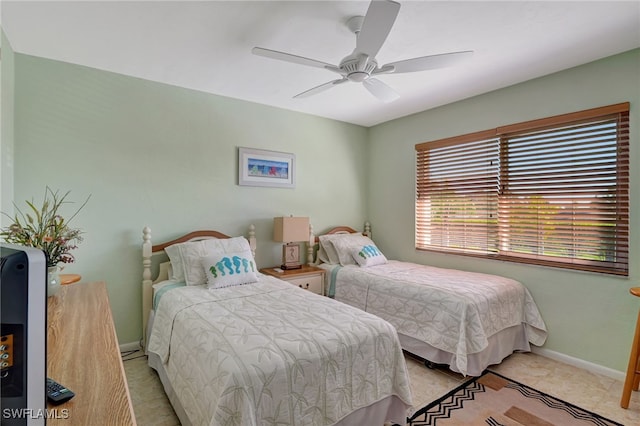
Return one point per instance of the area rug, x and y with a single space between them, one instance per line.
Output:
495 400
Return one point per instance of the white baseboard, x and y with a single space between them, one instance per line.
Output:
128 347
580 363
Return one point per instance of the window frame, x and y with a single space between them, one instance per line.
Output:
502 134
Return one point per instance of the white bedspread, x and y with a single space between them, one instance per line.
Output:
270 353
454 311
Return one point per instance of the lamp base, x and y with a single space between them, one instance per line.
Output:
291 256
287 267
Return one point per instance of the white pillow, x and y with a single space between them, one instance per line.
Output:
175 272
185 257
346 243
329 253
368 255
228 269
321 254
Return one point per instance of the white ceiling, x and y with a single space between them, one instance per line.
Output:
206 45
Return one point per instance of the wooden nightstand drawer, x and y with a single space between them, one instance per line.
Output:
311 283
308 277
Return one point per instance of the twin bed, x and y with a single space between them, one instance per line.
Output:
233 346
465 320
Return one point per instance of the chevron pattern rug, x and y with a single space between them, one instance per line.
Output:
495 400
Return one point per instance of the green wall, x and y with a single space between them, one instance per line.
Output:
6 127
589 316
166 157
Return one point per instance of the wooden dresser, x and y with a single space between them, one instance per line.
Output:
83 354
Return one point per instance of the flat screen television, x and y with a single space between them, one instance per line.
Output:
23 335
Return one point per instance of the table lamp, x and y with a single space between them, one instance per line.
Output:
290 230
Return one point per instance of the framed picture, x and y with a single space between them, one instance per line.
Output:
258 167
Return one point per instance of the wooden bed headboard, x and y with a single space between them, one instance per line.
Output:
149 251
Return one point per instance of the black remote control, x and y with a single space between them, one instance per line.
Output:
56 393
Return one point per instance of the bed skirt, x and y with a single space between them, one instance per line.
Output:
501 345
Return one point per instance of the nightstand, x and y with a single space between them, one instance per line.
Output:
308 277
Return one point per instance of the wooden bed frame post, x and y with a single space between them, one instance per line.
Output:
252 239
312 242
146 282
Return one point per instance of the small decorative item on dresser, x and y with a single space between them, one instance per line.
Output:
306 277
69 278
53 280
44 228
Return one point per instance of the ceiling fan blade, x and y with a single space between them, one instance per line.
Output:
376 26
321 88
288 57
380 90
425 63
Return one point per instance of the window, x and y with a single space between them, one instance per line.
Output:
549 192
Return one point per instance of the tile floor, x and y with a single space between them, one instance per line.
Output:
590 391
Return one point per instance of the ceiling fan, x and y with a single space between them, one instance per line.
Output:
361 66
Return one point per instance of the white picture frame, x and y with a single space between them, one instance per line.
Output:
259 167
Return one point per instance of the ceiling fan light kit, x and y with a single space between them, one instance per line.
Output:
360 66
